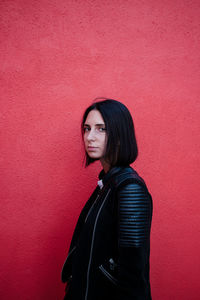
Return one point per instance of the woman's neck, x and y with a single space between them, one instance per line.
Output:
105 166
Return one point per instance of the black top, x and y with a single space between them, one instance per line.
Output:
109 252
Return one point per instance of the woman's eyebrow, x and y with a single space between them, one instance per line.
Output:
95 124
100 124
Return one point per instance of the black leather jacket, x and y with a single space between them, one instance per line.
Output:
109 252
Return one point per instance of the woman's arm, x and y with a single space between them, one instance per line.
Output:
135 211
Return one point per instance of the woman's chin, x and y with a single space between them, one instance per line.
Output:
93 156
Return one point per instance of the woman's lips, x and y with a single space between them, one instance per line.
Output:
90 148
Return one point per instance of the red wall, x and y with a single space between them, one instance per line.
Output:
56 56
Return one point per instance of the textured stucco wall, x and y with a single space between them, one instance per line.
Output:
56 56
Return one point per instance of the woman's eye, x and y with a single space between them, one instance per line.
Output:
102 129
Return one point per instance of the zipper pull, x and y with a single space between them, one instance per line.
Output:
112 264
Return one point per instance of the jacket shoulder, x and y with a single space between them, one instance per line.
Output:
126 176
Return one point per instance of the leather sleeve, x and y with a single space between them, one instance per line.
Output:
134 212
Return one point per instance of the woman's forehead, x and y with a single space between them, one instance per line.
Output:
95 118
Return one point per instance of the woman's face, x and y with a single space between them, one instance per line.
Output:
95 135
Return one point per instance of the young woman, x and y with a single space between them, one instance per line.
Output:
108 257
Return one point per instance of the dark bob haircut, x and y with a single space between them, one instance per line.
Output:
121 148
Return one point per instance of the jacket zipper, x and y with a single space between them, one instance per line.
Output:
91 208
93 235
69 254
108 275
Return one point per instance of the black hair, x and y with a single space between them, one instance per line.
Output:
121 148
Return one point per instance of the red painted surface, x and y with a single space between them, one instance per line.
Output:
56 56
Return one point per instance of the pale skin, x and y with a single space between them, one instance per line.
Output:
95 137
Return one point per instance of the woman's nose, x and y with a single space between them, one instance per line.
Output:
91 135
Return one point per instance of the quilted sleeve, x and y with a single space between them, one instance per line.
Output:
134 214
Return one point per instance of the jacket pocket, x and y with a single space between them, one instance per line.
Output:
68 286
107 274
67 266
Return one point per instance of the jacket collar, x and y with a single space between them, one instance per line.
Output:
113 171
